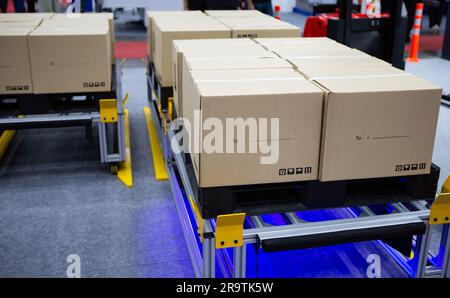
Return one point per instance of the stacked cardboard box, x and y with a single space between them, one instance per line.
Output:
379 121
15 71
46 53
165 30
243 80
67 59
165 16
17 18
254 24
239 50
89 20
258 95
369 120
234 13
167 26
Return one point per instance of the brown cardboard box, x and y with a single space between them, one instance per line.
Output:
254 27
164 33
253 31
25 17
297 104
229 48
224 69
377 126
70 59
197 46
32 22
259 25
15 72
267 42
168 16
86 19
234 13
352 70
343 61
314 50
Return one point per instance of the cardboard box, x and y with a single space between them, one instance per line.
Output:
235 13
168 16
314 50
343 61
15 72
294 40
32 22
254 31
59 66
179 46
229 48
25 17
254 27
164 33
86 19
377 126
315 73
258 25
224 69
297 104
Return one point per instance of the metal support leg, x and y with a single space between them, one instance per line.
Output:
121 137
102 141
446 261
209 258
422 247
239 261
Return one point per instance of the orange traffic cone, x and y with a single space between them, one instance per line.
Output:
414 49
277 12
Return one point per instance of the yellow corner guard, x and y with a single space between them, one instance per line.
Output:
5 139
198 219
446 186
108 110
158 159
125 173
230 230
440 210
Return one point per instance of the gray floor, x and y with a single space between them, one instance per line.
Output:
56 199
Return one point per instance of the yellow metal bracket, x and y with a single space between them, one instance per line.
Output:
125 173
446 186
170 109
5 139
108 110
198 219
230 230
158 158
440 210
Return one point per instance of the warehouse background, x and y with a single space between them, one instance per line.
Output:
56 199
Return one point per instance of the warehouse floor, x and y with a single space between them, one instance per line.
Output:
56 199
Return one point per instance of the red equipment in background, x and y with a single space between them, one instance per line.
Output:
316 26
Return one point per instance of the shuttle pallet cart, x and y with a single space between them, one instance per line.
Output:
106 109
225 239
